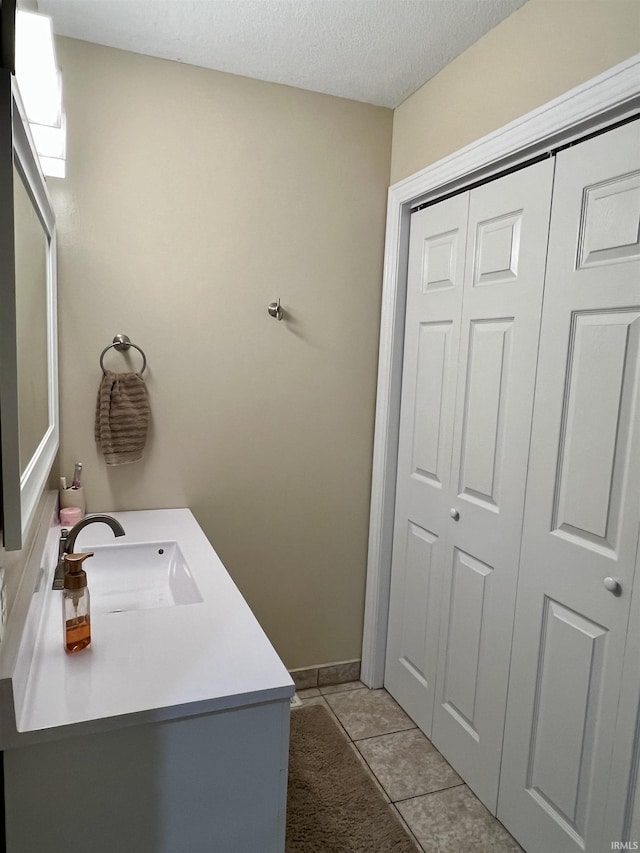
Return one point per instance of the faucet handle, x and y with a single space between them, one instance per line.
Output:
62 543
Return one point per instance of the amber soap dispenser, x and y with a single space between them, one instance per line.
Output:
76 613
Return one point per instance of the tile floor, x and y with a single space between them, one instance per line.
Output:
440 812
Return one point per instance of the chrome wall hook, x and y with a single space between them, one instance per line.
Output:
275 310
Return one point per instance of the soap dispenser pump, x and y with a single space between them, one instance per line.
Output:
76 615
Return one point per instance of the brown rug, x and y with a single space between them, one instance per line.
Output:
333 806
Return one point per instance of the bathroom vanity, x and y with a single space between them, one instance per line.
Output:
169 734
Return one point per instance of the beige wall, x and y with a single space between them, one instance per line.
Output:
541 51
192 200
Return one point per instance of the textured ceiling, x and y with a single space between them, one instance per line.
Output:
377 51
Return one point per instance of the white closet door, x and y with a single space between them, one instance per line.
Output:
432 329
582 508
493 368
506 252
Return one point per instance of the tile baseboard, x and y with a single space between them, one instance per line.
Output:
323 676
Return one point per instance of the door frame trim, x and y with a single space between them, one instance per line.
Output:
594 105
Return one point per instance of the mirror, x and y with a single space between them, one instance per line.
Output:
31 247
29 426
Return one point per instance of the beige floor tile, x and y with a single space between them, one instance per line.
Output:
308 693
455 821
407 764
367 713
341 688
406 826
375 781
314 700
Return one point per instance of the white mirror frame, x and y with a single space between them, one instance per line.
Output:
21 493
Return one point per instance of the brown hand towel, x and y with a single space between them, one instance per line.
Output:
122 417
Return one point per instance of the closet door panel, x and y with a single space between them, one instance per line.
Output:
582 514
469 580
481 459
432 329
589 495
507 237
568 689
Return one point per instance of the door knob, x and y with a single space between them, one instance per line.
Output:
613 585
455 515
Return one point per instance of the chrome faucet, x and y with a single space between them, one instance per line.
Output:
68 541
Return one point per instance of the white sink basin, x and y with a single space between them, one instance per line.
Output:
139 576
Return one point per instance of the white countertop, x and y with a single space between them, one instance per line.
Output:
156 663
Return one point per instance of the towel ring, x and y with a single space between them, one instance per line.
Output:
122 344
